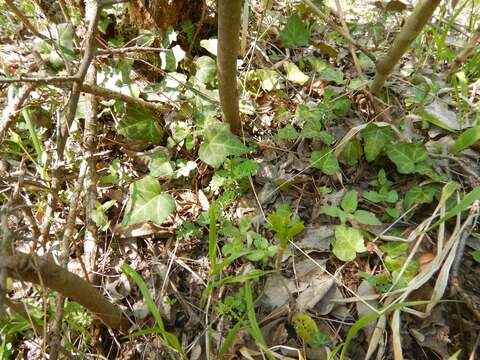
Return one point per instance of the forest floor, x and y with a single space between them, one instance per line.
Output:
336 221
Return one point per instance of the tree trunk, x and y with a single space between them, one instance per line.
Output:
413 26
228 46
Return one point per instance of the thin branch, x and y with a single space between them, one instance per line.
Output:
40 80
111 94
130 49
92 15
338 29
11 112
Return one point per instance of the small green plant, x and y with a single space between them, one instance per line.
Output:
307 329
396 255
349 240
244 240
286 225
348 211
384 194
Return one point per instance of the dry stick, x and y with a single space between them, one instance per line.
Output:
12 110
341 16
110 94
228 45
89 144
92 15
421 14
67 236
31 268
338 29
39 80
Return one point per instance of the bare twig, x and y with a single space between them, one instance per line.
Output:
338 29
11 112
92 16
40 80
130 49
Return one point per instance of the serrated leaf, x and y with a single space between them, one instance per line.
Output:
347 243
419 195
407 156
294 74
295 33
139 124
366 218
219 143
375 138
350 202
325 161
147 203
466 139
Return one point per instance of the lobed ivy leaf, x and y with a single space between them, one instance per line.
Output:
147 203
139 124
219 143
347 243
408 157
295 33
294 74
325 161
420 195
375 138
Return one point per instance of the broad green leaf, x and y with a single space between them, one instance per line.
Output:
269 79
295 33
350 202
466 139
341 107
395 248
210 45
347 243
375 138
366 218
352 152
287 133
330 74
206 69
476 255
325 161
406 156
419 195
294 74
219 143
160 166
147 203
171 58
373 196
139 124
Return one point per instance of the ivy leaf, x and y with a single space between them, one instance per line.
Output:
295 33
352 152
139 124
147 203
347 243
466 139
159 165
219 143
170 58
325 161
206 69
210 45
406 156
366 218
350 202
287 133
375 138
419 195
269 79
294 74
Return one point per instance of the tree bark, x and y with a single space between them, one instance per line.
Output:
41 271
228 46
413 26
